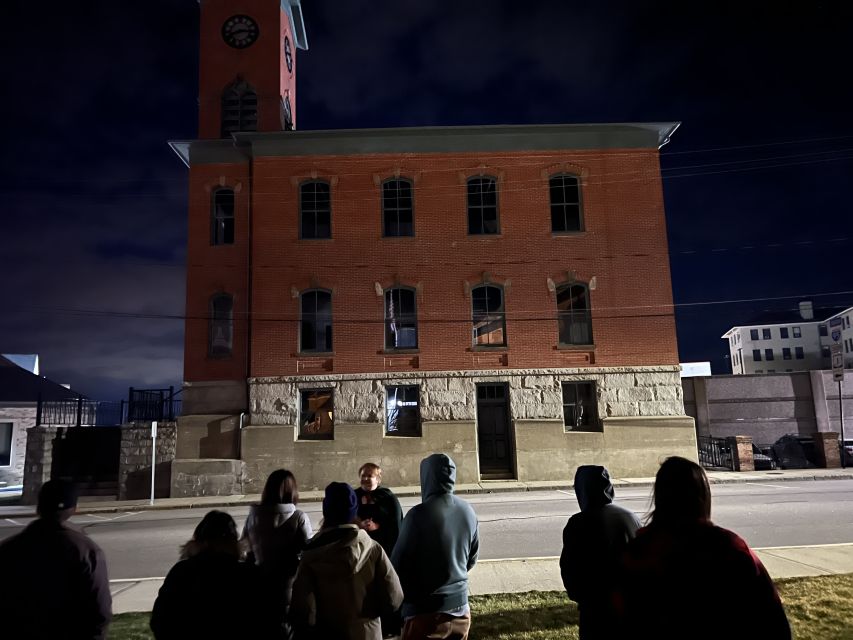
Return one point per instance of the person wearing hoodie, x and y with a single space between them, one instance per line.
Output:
345 581
681 566
437 547
277 532
209 594
593 543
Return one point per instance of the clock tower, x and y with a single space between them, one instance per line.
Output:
247 65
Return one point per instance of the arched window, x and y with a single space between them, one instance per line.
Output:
489 319
315 321
315 210
401 318
574 320
565 204
239 108
397 219
221 330
483 206
222 217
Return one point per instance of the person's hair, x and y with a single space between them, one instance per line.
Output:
280 489
681 494
370 466
217 531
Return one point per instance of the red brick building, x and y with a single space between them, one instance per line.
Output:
501 293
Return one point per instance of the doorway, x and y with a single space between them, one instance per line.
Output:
493 431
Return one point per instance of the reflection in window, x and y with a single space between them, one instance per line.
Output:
488 316
482 206
222 218
397 208
315 322
315 211
402 411
401 319
316 414
565 204
574 320
580 407
221 330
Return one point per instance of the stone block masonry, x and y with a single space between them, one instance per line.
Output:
134 475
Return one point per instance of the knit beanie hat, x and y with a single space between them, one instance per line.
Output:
340 504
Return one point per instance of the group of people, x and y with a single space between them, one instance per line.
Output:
369 573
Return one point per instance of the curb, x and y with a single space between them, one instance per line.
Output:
466 490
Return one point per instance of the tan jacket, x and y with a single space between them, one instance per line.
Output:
344 583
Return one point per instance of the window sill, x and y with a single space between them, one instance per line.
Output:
401 352
502 348
575 347
483 236
592 429
313 354
568 234
411 237
315 239
310 439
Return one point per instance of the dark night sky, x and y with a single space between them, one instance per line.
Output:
94 202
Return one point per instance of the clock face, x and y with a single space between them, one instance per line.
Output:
240 31
288 54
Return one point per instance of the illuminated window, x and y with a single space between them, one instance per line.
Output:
402 411
316 414
580 407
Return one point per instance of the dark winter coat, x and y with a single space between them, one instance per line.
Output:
55 584
593 543
384 509
345 582
438 543
212 595
699 581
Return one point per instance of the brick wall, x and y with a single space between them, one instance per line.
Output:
624 247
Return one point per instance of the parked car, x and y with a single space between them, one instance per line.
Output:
762 461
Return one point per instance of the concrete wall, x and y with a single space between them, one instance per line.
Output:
134 473
768 406
208 436
315 463
209 477
628 447
22 418
212 397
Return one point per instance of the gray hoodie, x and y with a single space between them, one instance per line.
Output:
438 543
343 584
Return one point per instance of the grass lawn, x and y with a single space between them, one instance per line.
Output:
818 608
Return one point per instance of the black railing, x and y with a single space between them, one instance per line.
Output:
80 412
714 453
145 405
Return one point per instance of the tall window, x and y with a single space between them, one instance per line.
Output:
574 320
402 411
316 414
315 322
765 334
482 206
315 210
756 355
799 353
239 109
783 332
222 217
5 444
488 316
753 334
397 208
797 332
580 407
221 332
565 204
401 319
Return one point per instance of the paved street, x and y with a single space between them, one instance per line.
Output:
513 525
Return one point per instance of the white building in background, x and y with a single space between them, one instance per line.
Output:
787 342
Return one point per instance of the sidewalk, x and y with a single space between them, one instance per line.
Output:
484 487
543 574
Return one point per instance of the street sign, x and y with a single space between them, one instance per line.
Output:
836 325
837 362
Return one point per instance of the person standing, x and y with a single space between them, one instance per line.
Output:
277 532
378 508
345 581
593 543
437 547
56 577
682 566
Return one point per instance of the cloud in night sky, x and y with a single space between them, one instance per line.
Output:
94 202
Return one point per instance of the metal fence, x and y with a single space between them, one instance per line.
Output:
145 405
142 405
714 453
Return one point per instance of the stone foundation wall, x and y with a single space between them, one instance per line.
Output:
191 478
451 395
134 474
39 460
22 418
